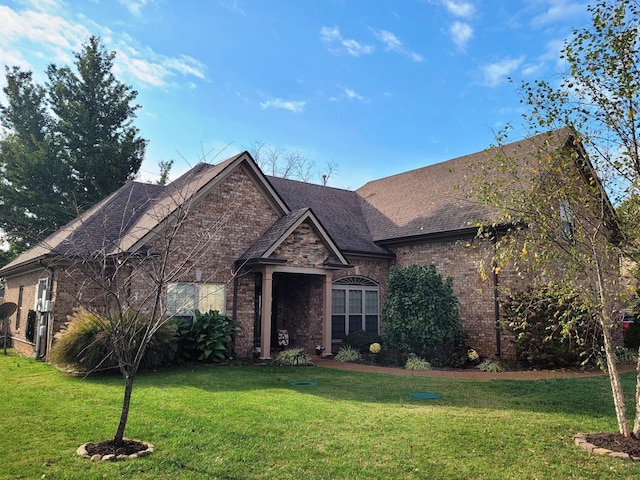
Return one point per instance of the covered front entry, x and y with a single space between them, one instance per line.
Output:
297 300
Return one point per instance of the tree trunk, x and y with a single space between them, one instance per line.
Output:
124 413
614 379
636 423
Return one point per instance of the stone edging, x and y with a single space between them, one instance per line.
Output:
82 451
580 439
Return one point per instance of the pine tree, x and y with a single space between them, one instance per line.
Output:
68 144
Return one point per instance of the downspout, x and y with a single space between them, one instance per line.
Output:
496 309
49 316
234 308
496 303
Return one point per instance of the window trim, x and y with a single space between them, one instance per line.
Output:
196 300
360 284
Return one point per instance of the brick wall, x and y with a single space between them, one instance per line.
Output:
460 261
299 308
12 292
303 248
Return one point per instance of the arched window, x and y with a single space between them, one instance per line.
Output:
354 306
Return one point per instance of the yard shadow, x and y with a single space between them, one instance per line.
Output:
574 396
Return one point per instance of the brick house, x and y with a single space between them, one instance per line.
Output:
281 254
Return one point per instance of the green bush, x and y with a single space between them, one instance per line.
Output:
361 340
552 327
417 364
490 365
293 357
86 344
420 312
347 354
451 354
209 338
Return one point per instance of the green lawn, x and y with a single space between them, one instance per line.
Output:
252 423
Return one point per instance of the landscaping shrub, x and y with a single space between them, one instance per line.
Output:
420 312
417 364
361 340
552 327
293 357
86 345
490 365
209 338
347 354
451 354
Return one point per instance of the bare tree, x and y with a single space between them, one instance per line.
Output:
119 258
285 163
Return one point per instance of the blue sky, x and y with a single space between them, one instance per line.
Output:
376 86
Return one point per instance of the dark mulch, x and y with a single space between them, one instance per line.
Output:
108 447
615 442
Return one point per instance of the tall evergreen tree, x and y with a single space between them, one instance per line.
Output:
68 144
34 182
95 131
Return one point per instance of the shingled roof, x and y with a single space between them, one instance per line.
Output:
426 202
339 211
122 220
432 200
262 251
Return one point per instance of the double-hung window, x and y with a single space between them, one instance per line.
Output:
354 307
185 297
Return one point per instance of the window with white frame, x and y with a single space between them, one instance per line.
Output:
354 306
185 297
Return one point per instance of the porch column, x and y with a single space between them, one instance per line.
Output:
326 321
265 333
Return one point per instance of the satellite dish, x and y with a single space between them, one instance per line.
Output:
7 309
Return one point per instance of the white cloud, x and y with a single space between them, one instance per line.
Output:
54 38
135 7
290 105
233 6
394 44
153 69
353 95
459 9
43 31
348 94
461 33
333 37
559 11
496 73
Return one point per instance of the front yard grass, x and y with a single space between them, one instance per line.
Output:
253 423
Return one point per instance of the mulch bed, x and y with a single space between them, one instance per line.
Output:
615 442
109 447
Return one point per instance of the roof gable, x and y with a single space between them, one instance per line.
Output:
129 218
263 250
339 211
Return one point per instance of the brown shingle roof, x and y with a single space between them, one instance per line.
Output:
338 210
433 200
272 236
119 222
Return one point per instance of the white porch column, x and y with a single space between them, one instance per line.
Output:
326 323
265 328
